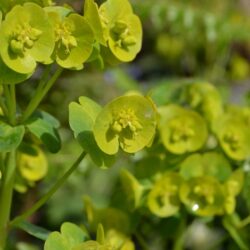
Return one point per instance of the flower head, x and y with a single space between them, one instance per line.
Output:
26 37
128 122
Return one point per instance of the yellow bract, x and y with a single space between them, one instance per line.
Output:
32 167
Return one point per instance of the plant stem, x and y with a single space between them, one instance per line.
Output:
141 241
6 192
12 107
244 222
41 91
47 196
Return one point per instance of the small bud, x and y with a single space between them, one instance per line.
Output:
16 46
119 27
128 41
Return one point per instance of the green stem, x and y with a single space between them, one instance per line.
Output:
244 222
3 106
12 107
7 99
179 237
47 196
141 241
6 192
40 94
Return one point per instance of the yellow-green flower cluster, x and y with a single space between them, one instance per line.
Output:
33 32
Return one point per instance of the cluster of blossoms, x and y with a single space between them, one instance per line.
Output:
32 33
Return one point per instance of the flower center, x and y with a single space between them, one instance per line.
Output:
180 131
64 37
121 34
126 119
232 140
23 38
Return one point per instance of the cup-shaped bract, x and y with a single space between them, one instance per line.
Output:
233 187
32 165
181 130
26 37
204 98
234 136
119 240
203 195
210 163
163 199
122 29
128 122
74 39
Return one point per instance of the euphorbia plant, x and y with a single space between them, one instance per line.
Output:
39 34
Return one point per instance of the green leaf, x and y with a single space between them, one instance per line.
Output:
36 231
43 126
70 236
81 120
10 137
73 233
56 241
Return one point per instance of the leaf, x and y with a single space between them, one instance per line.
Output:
73 233
70 236
10 137
36 231
81 120
43 126
56 241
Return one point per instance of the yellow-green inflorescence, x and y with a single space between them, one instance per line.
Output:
126 119
181 130
64 37
128 122
24 36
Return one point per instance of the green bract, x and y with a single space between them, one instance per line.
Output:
163 200
211 163
73 39
122 29
204 98
181 130
26 37
203 195
128 122
70 237
132 188
233 187
8 76
32 165
234 136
